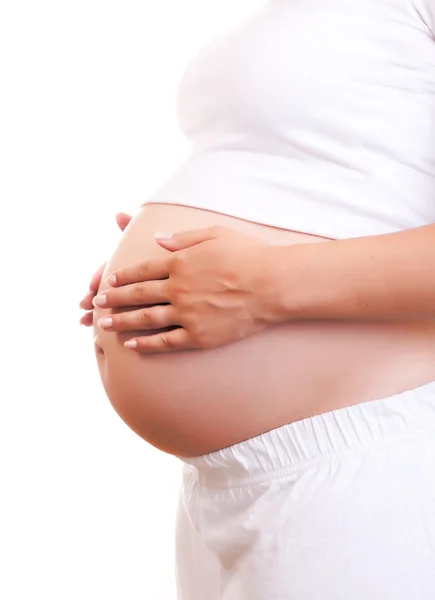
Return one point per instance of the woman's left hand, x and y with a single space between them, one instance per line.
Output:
210 288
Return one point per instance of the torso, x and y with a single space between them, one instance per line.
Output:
315 117
194 402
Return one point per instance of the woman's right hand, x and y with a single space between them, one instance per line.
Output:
122 220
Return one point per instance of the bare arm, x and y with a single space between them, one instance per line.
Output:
389 276
217 285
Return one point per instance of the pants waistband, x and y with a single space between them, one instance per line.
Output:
303 444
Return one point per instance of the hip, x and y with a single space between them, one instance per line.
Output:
337 506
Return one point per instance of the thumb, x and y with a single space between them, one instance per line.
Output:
184 239
123 220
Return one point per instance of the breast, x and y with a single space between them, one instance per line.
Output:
308 119
333 103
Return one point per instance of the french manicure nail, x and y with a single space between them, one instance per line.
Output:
100 300
105 322
163 235
131 344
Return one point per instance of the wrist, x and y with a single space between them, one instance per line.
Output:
276 301
297 283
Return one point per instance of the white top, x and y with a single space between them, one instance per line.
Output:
315 116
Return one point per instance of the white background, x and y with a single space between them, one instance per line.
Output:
87 128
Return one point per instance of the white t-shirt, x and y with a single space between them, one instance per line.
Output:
315 116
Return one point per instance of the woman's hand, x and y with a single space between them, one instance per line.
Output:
86 304
210 288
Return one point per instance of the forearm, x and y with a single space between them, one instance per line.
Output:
390 276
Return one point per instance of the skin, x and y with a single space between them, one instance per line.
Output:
122 220
218 285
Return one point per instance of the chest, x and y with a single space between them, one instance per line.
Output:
318 66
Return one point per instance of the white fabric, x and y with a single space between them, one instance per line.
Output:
316 116
337 507
426 9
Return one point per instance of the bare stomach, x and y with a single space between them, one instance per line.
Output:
195 402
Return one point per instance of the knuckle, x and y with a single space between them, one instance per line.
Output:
143 269
177 260
196 331
165 341
137 291
159 316
176 293
202 340
203 337
179 289
217 230
144 317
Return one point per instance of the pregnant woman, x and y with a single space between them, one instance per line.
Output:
279 338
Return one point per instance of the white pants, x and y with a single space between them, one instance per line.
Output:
337 507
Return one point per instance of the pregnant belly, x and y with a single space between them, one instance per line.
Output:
193 402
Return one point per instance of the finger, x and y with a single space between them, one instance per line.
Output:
135 294
96 279
168 341
87 319
123 219
186 239
86 303
144 319
155 268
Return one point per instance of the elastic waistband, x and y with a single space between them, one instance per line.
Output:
303 444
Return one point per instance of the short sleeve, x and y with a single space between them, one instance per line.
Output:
426 10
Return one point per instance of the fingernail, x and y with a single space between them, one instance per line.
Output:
111 280
105 322
131 344
90 293
163 235
100 300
